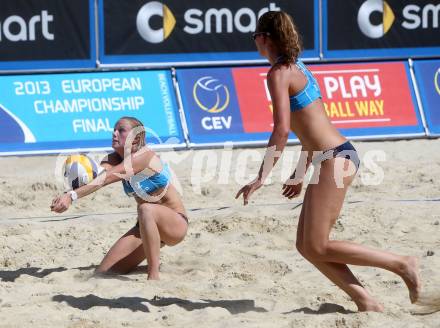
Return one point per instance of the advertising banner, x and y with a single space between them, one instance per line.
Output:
212 101
362 100
178 32
51 113
370 99
47 34
380 29
428 80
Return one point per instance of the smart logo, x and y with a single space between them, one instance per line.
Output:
197 21
143 18
412 17
364 18
15 28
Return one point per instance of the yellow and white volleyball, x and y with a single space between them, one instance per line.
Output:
79 170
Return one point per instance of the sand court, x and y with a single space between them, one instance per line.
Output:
238 266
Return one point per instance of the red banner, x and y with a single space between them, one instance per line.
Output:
354 96
253 99
366 95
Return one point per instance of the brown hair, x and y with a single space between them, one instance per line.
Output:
135 123
280 27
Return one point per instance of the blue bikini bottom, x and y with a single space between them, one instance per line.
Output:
346 150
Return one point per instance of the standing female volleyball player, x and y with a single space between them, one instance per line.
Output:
161 214
298 107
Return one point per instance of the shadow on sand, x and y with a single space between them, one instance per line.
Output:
324 308
137 303
11 276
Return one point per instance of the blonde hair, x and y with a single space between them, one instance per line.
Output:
280 27
140 130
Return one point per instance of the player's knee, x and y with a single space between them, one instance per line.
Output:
146 213
315 251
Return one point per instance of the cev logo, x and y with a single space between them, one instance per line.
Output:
437 81
144 15
364 21
211 95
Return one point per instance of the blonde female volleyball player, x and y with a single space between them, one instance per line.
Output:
298 107
161 215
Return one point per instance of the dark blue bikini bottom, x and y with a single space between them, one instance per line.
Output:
346 150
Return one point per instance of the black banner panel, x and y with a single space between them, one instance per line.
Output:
377 28
42 34
194 30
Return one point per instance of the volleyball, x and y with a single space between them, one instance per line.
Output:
79 170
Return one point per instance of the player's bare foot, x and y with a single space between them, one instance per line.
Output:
369 306
411 276
153 275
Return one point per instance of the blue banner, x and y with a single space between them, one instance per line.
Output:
211 101
364 101
428 80
49 113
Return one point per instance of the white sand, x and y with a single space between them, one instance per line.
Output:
238 266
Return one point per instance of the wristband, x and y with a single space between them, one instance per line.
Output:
73 195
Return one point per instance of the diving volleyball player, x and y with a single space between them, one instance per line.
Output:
161 217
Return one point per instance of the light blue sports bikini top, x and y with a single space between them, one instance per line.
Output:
141 184
310 92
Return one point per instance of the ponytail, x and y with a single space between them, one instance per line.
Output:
283 32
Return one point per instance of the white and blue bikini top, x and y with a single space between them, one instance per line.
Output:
142 184
309 94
